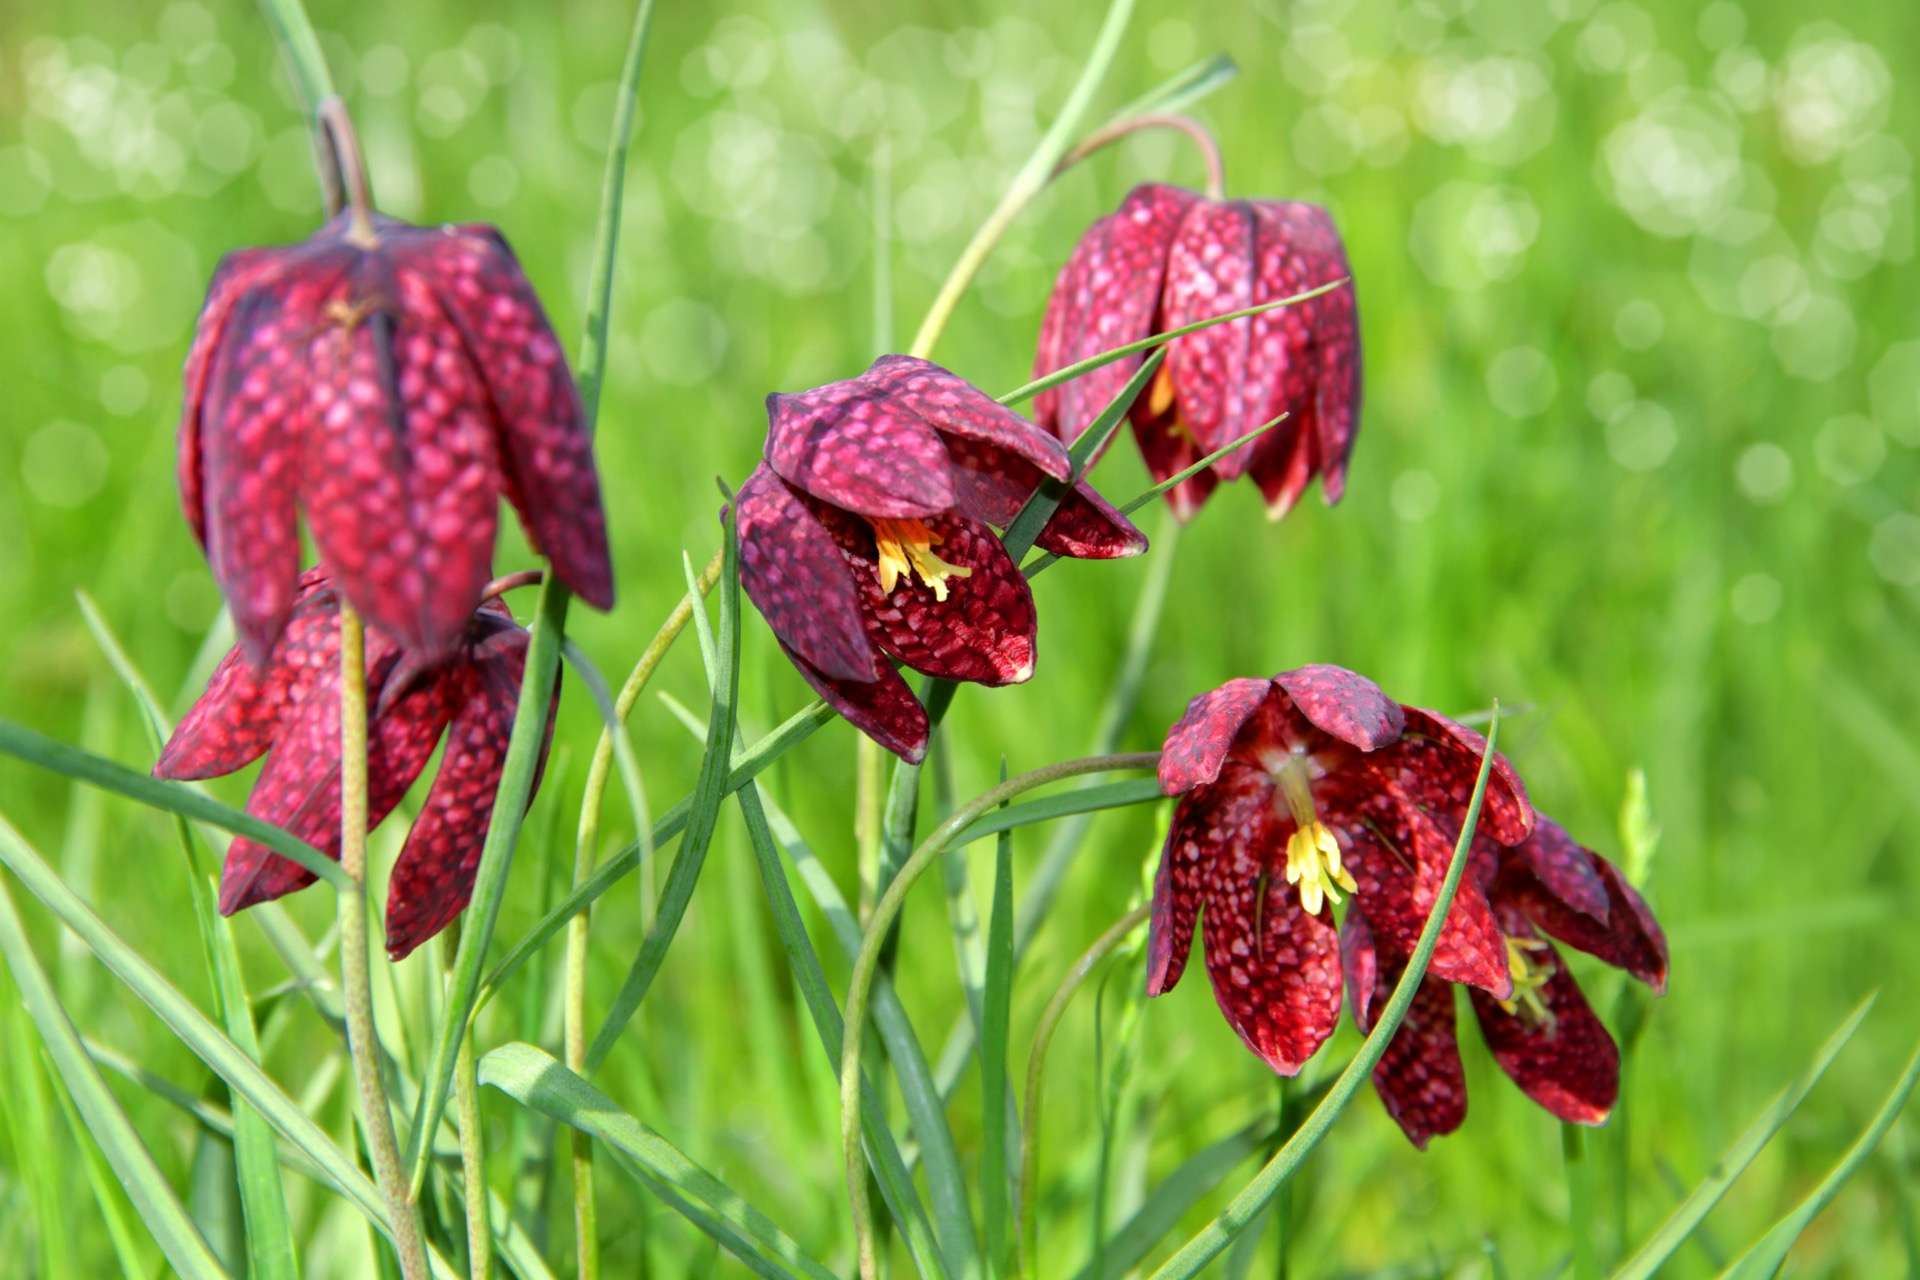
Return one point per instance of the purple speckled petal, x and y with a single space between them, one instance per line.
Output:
793 572
857 447
1197 745
955 407
1345 704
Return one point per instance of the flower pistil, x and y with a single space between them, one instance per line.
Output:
1530 976
905 548
1313 851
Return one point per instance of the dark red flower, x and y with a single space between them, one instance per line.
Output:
1297 790
1168 258
1544 1034
289 710
865 538
392 384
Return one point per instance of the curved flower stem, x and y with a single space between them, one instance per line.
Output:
1027 1232
512 582
860 987
1112 133
586 846
349 168
356 983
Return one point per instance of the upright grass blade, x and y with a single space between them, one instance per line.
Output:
997 1160
1244 1207
269 1235
709 791
186 1251
1184 89
543 650
896 1184
1581 1226
1764 1258
169 797
1667 1238
107 1191
533 1078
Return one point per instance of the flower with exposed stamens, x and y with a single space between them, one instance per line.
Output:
289 710
1299 793
392 382
1545 1035
1169 257
866 538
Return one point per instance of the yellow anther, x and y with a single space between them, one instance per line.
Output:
1160 403
1313 851
905 548
1530 974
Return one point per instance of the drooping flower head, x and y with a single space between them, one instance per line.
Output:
1168 258
1299 793
867 538
289 711
1544 1035
392 382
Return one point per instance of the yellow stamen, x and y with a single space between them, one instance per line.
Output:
1160 405
1530 977
1313 851
905 548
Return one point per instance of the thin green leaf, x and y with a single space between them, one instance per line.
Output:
169 797
1764 1258
1105 795
1245 1206
107 1191
1032 568
538 1080
185 1249
1038 509
623 757
709 791
1107 357
896 1183
1690 1212
997 1161
702 624
1183 89
1581 1227
263 1201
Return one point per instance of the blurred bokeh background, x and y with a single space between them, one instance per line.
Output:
1638 458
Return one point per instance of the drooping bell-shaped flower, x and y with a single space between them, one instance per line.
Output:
1544 1035
289 710
1297 793
867 538
392 382
1169 257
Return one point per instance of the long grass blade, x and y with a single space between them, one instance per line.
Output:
1246 1206
997 1158
1764 1257
169 797
185 1249
1183 89
107 1191
1690 1212
535 1079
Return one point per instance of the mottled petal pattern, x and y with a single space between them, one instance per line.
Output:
238 272
793 572
1085 526
1626 937
1563 869
1345 704
848 444
881 706
955 407
1419 1078
1567 1062
1207 824
1434 765
1210 273
1197 745
991 486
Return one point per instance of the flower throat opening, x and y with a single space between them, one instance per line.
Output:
905 548
1313 851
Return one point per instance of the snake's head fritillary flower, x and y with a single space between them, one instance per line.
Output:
392 382
289 710
1296 794
1543 1033
1168 258
867 538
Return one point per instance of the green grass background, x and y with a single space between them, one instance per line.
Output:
1637 457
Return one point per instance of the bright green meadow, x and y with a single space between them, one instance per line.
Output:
1639 459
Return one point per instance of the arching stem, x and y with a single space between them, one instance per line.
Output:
1112 133
349 169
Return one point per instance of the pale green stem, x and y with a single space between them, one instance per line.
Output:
473 1159
1573 1146
1077 976
866 964
356 984
1112 133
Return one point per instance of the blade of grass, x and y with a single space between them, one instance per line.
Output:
1184 89
535 1079
1580 1215
896 1184
107 1191
263 1202
186 1251
710 789
997 1158
1667 1238
1764 1258
170 797
1245 1206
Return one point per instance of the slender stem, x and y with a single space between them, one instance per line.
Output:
585 854
512 582
1028 183
1076 977
1573 1146
885 912
363 1045
473 1158
869 795
302 47
349 168
1112 133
